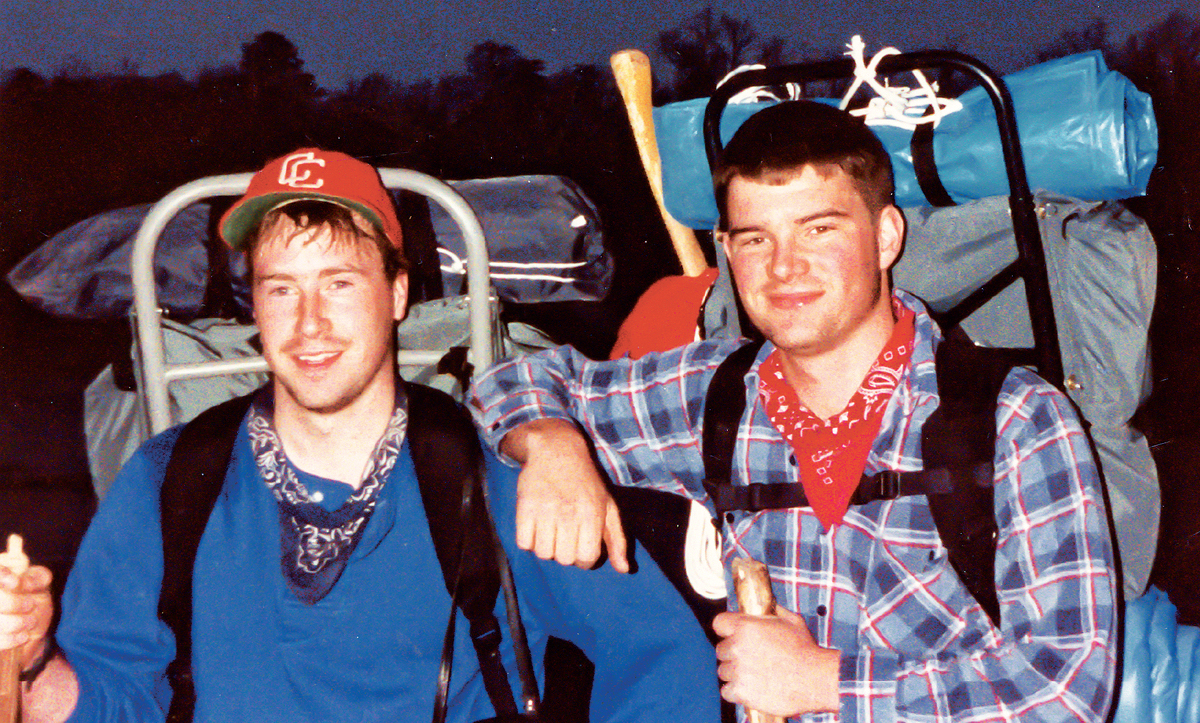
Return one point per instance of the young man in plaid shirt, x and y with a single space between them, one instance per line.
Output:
874 625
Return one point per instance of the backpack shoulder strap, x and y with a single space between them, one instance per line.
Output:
193 480
724 404
958 443
446 455
449 465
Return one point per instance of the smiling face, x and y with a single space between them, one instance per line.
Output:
325 311
810 260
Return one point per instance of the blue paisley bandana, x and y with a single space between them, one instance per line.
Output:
315 543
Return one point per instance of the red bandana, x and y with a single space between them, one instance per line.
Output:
832 452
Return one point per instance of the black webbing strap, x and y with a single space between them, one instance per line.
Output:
958 448
886 485
724 404
449 463
530 700
193 481
925 167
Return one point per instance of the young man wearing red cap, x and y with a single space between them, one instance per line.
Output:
317 593
874 623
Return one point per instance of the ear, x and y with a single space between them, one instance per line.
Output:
254 293
722 239
400 296
890 236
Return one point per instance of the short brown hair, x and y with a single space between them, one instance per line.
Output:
341 221
774 144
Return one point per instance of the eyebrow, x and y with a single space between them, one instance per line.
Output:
323 273
824 213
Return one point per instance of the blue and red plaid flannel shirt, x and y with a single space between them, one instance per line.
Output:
878 587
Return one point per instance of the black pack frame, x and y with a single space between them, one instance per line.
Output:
1030 265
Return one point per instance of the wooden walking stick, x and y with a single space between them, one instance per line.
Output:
753 586
631 69
10 660
665 317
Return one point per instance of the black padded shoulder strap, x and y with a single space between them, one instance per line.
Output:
449 463
447 456
193 481
958 442
724 404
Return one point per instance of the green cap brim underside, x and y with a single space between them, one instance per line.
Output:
249 214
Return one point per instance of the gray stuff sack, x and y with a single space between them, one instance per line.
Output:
1102 265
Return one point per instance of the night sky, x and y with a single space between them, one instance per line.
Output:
341 41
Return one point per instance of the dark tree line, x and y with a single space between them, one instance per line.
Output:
79 143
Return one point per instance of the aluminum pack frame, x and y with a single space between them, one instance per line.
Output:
156 374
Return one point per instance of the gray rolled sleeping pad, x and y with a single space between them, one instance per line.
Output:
116 422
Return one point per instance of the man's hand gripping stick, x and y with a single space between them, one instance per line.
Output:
753 586
10 660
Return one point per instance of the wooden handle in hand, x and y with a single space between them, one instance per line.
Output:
631 68
10 660
753 586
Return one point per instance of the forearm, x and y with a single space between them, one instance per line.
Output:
52 696
1052 657
1027 679
642 416
515 393
1024 681
548 438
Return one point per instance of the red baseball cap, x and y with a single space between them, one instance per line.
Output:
311 173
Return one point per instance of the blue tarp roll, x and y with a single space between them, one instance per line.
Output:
1086 132
1161 682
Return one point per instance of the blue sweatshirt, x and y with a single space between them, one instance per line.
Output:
367 651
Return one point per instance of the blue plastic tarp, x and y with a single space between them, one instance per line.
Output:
1086 132
1161 674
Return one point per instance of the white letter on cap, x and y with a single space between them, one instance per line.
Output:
295 174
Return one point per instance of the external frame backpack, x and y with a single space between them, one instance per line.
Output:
449 467
957 444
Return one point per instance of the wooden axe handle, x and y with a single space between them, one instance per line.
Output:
10 660
753 586
631 68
